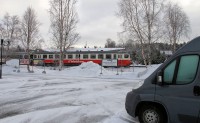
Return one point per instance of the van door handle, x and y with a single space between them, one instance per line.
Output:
196 90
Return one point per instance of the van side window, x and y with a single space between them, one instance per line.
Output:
187 69
169 72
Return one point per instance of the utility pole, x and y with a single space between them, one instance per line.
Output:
2 44
1 59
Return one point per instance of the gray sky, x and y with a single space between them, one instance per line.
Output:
97 18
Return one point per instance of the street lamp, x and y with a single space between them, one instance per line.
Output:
117 63
101 63
7 43
79 57
44 72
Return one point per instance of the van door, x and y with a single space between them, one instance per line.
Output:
180 93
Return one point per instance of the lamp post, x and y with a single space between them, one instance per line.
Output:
79 57
44 72
1 59
117 67
2 44
101 63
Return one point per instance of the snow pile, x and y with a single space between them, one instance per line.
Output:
86 69
89 69
90 65
13 62
10 66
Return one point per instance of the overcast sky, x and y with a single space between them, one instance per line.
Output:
97 18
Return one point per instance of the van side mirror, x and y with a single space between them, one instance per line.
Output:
159 78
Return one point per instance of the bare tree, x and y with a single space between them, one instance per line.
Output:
9 30
11 25
110 43
30 31
141 21
63 25
177 24
1 31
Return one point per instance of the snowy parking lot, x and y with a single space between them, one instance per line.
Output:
74 95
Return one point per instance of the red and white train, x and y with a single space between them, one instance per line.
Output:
78 56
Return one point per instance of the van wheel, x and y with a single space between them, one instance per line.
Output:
151 114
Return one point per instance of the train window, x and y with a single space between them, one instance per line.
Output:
31 56
25 56
93 56
39 56
120 56
70 56
126 56
44 56
21 56
114 56
108 56
57 56
100 56
65 56
35 56
85 56
77 56
51 56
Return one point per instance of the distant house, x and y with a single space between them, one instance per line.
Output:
167 53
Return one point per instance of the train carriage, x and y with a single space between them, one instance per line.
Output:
76 57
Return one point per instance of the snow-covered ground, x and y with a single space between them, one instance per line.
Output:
74 95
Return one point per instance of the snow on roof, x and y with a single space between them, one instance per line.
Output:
94 49
85 49
52 50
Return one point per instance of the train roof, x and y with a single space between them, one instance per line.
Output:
79 51
83 51
86 49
